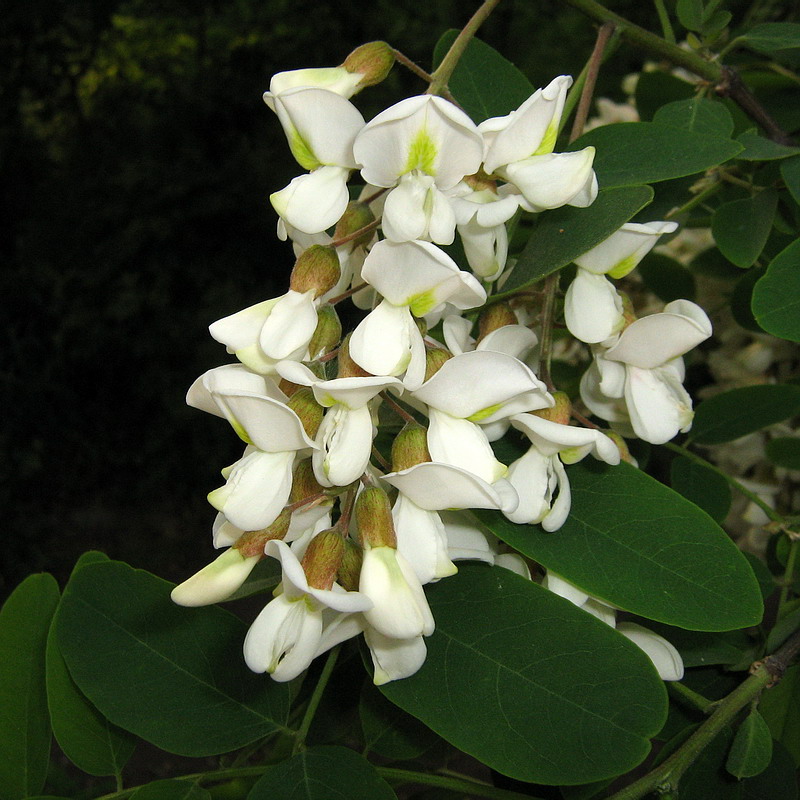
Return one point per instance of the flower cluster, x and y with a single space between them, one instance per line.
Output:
434 364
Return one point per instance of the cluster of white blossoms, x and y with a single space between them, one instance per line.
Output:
359 531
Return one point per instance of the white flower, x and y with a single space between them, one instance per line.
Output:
285 636
424 146
217 581
400 609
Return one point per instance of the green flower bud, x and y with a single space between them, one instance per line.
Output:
560 412
373 60
309 411
252 543
628 314
435 357
410 447
622 446
304 483
327 333
373 515
347 368
322 558
495 316
317 268
350 569
356 216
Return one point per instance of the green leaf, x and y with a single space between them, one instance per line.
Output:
132 652
788 623
485 83
622 524
741 227
707 778
784 452
24 721
790 172
89 740
667 278
654 89
697 114
702 486
691 14
757 148
389 731
171 790
631 153
776 297
322 773
780 40
737 412
565 233
780 707
742 298
751 750
529 684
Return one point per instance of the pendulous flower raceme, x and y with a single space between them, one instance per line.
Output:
437 364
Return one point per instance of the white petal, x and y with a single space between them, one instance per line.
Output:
334 79
559 510
345 442
658 404
533 477
666 659
466 538
381 343
422 540
394 659
592 308
242 329
514 340
653 340
514 562
564 588
290 326
215 582
313 202
625 248
404 215
266 423
455 330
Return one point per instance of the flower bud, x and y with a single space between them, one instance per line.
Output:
327 333
309 411
628 314
559 412
347 368
217 581
322 558
350 568
622 446
373 515
410 447
356 216
252 543
373 60
304 484
480 181
495 316
316 268
435 357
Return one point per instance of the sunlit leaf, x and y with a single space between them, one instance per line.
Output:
776 297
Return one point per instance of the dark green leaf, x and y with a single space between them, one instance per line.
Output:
742 299
667 278
624 523
790 172
751 750
389 731
322 773
788 623
780 40
703 649
654 89
24 721
764 577
776 297
704 487
714 23
89 740
171 790
784 452
741 227
737 412
631 153
697 114
691 14
529 684
565 233
707 778
485 83
757 148
780 707
131 651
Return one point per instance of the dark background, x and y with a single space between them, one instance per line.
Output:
136 158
